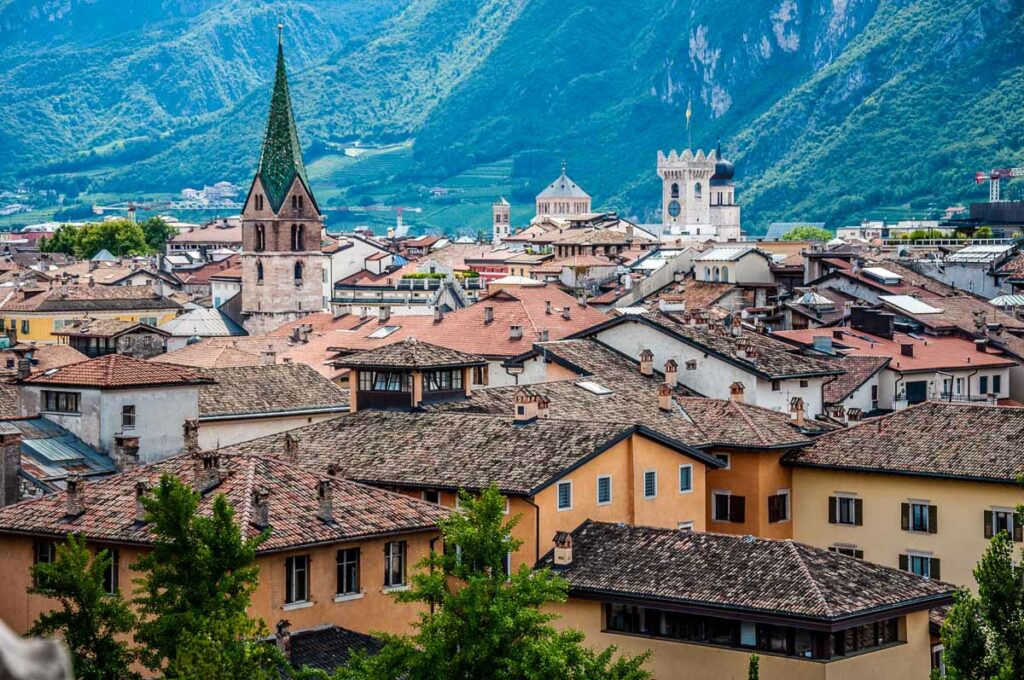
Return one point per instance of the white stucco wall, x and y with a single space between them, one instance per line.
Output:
220 433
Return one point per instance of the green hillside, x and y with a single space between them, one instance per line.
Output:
832 111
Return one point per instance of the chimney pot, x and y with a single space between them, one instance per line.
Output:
664 397
269 357
567 312
837 334
283 638
191 438
261 508
646 362
438 315
796 410
527 407
488 314
126 452
981 345
75 495
547 306
563 549
385 314
141 489
542 336
24 368
853 414
291 447
736 392
671 373
206 470
325 500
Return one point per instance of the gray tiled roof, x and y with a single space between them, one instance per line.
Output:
409 354
859 370
932 439
770 577
263 389
329 647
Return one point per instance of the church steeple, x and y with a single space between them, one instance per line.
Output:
281 156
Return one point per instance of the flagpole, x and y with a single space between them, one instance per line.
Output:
689 114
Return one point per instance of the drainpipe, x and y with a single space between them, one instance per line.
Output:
969 376
952 380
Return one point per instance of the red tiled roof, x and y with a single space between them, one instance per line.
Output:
114 371
204 273
929 353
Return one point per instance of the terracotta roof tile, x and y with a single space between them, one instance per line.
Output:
275 388
410 354
859 370
86 299
115 371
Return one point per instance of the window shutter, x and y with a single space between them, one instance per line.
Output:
832 509
933 519
1018 527
772 512
904 563
737 508
859 554
905 516
933 570
988 524
858 510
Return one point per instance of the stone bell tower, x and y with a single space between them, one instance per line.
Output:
501 213
282 263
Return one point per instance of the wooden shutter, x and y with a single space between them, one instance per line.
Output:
933 570
988 524
933 519
1018 527
905 516
859 554
773 508
904 563
858 510
832 503
737 508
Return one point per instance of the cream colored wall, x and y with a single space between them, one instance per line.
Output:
670 660
959 542
219 433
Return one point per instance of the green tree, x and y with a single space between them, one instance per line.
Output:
983 232
195 586
808 233
478 622
157 232
120 237
64 240
983 635
92 623
754 668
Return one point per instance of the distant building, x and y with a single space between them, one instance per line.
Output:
698 196
563 198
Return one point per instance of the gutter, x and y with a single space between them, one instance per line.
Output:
272 414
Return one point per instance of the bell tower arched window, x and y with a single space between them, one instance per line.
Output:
675 190
298 237
259 272
696 190
298 273
261 238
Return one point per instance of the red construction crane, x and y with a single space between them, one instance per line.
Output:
993 177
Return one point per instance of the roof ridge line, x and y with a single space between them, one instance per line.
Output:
807 573
749 421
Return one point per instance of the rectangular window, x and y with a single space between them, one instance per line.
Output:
564 495
24 326
727 507
61 402
983 385
804 383
997 384
919 516
922 565
685 478
384 381
778 507
604 490
296 579
110 576
724 457
43 552
650 483
348 571
128 417
845 510
431 496
442 381
394 564
848 550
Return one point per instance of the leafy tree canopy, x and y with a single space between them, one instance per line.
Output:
479 623
121 237
92 623
196 585
808 233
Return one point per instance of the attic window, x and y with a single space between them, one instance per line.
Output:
593 387
383 332
691 365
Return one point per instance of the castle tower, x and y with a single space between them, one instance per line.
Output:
282 267
563 198
501 213
697 195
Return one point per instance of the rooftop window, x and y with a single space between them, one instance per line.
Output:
383 332
593 387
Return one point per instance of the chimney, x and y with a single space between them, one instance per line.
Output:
489 314
736 392
141 488
438 314
76 495
191 439
547 306
664 397
10 486
283 638
981 345
126 452
384 315
92 282
838 411
646 362
796 410
291 447
325 500
567 312
24 368
206 471
269 357
736 326
543 406
563 549
671 373
515 332
907 349
542 336
583 299
527 408
261 508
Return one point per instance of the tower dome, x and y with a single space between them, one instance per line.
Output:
724 169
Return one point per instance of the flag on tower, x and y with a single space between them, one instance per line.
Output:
689 113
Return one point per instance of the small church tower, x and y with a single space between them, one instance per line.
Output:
282 264
501 213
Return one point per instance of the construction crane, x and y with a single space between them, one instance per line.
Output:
994 177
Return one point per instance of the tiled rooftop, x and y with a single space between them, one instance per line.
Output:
859 370
116 371
737 573
101 328
358 510
409 354
964 441
265 389
86 299
44 357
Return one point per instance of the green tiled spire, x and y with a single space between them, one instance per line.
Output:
281 158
